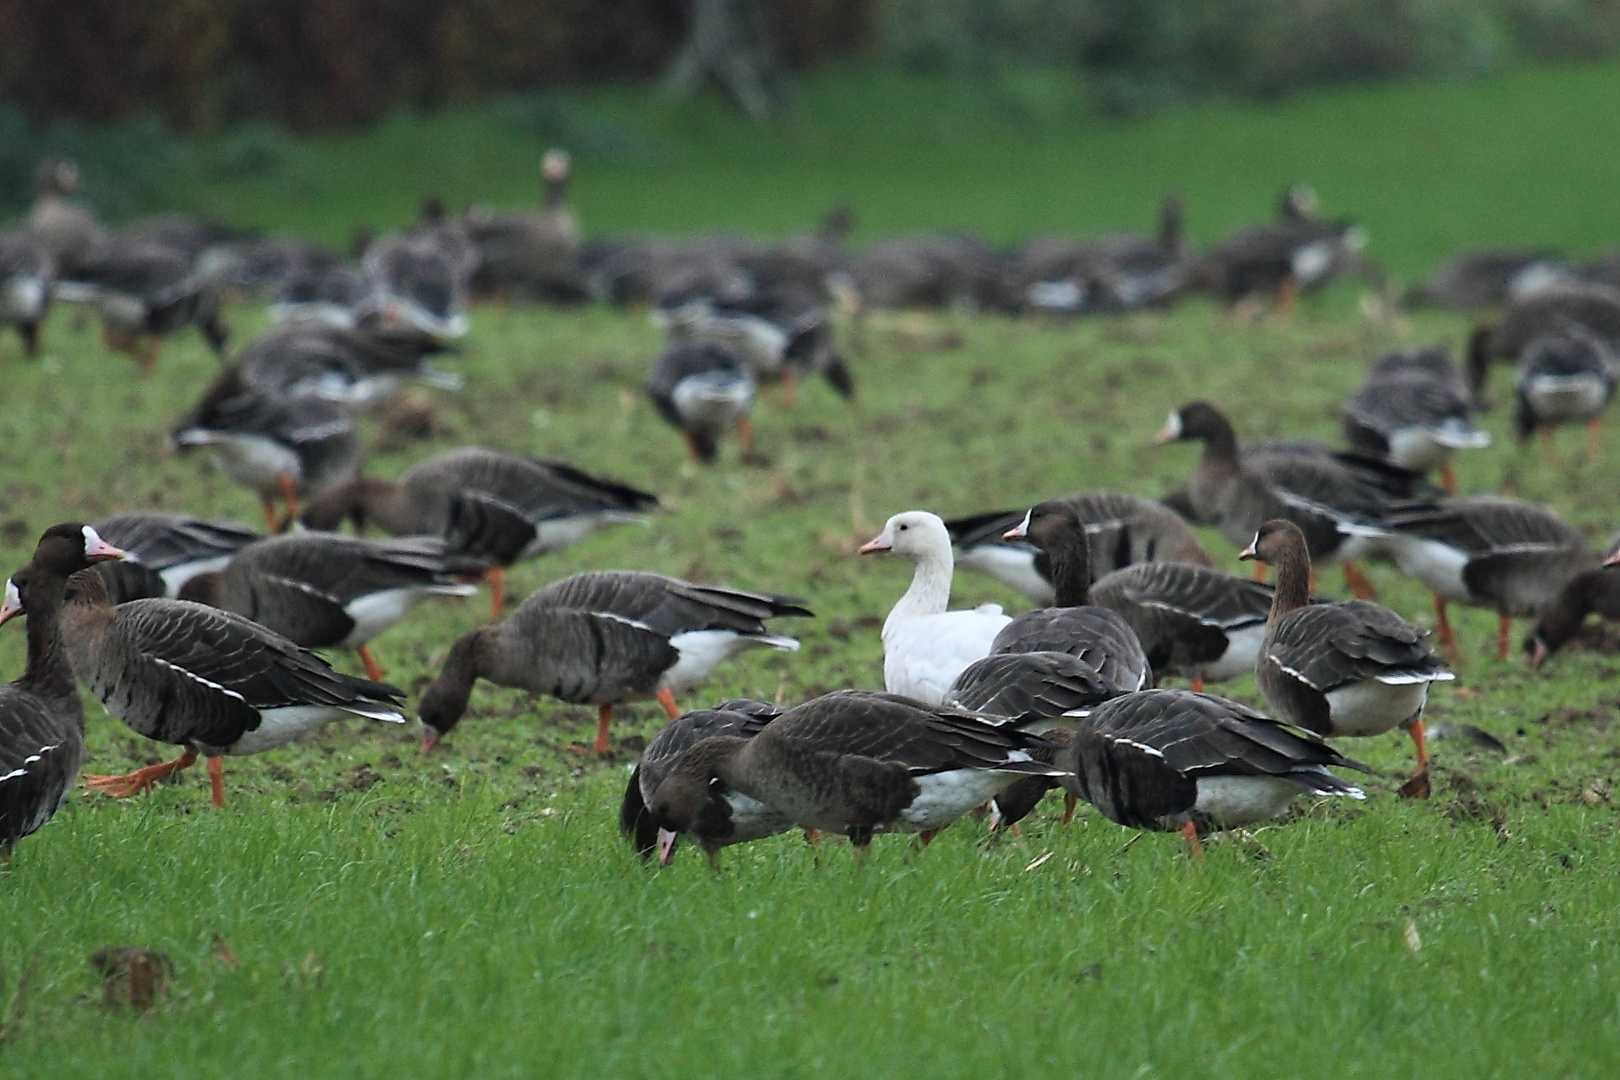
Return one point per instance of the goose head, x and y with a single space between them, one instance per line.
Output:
63 550
1276 540
1196 421
915 535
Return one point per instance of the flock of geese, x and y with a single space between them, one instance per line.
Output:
199 633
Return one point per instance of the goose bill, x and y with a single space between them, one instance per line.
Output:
98 550
13 605
877 543
1020 530
1171 430
666 846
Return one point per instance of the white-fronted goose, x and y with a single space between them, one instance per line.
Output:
491 505
1178 760
144 292
327 294
704 388
1110 273
1073 625
1345 669
416 283
324 591
926 646
783 333
605 638
529 256
729 817
41 717
1485 551
164 551
951 271
1590 591
277 447
1565 377
1414 410
855 762
1122 529
1487 278
1236 490
26 273
204 679
1297 253
357 368
66 228
1593 305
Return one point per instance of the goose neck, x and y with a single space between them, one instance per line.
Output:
48 672
1071 571
930 591
1293 566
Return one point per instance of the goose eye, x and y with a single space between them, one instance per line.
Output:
903 528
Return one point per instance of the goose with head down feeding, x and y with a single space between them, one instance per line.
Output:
41 716
855 762
1589 304
163 551
1588 592
703 389
1346 669
145 291
1415 411
926 646
606 638
1565 377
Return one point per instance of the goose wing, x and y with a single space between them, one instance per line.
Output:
1327 646
1028 686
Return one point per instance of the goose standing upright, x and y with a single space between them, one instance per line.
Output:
1414 410
704 388
66 229
1568 376
26 274
926 646
1345 669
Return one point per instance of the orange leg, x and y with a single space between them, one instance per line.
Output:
1594 438
270 517
1189 833
121 787
1504 627
1448 640
1069 803
289 494
1197 685
790 387
1418 786
216 779
1361 587
496 576
812 837
745 436
926 837
374 670
667 700
604 717
1259 571
1448 479
1549 448
1287 293
148 356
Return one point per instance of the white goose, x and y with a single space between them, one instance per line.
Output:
925 646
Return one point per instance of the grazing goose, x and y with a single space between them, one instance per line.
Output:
1565 377
530 256
66 229
1119 272
958 272
1486 279
1593 305
783 333
41 717
328 294
356 368
704 388
1237 491
144 292
1123 530
1415 411
1345 669
730 817
855 762
491 505
1297 253
26 273
1178 760
204 679
416 283
606 638
164 551
1096 635
324 591
925 646
1587 592
276 446
1485 551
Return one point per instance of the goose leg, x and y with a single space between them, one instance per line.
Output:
1549 447
1197 684
374 670
122 787
1594 438
745 437
1287 293
496 576
1448 640
667 700
270 518
812 837
1504 627
1189 833
1069 803
1361 586
604 717
1418 786
692 448
149 353
926 837
790 386
1448 479
289 495
216 780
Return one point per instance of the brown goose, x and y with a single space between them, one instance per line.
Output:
704 388
41 717
1565 377
856 762
144 292
26 273
606 638
729 817
1414 410
491 505
1352 668
276 446
324 591
1485 551
782 332
164 551
1123 530
1590 591
1238 490
1094 634
526 255
1590 304
207 680
67 229
348 366
1297 253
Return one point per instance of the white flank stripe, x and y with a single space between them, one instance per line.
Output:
194 677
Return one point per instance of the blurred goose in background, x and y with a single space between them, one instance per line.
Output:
207 680
925 646
489 505
356 368
783 333
1344 669
330 293
261 268
67 230
729 817
815 262
1484 551
281 448
1110 273
26 274
41 715
1488 278
956 271
1565 377
703 389
528 256
144 292
1591 305
855 762
418 282
1587 592
1297 253
1414 410
1122 530
606 638
164 551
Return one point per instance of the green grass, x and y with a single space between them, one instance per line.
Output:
475 912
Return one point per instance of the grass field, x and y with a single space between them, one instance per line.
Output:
475 913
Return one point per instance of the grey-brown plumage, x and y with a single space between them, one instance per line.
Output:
783 332
1028 686
856 762
66 228
703 389
530 255
344 365
1589 592
1110 273
950 271
1484 279
1296 253
145 291
418 281
1122 530
1593 305
605 638
1413 409
163 551
1193 621
27 272
1566 376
